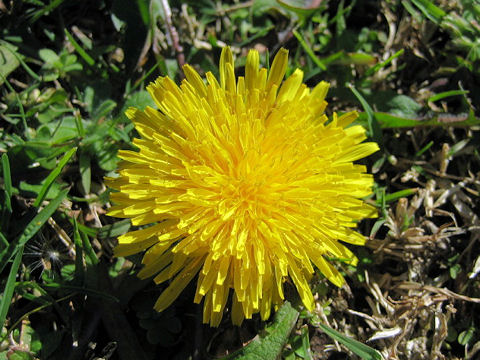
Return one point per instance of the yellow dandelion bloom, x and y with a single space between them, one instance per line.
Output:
247 184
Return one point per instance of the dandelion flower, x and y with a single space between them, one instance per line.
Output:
245 183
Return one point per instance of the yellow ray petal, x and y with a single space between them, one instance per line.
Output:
195 80
279 66
177 285
226 58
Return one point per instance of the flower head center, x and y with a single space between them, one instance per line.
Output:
248 192
246 197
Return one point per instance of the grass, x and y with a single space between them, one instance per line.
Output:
69 70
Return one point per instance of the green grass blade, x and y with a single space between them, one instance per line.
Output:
381 65
42 217
4 241
79 269
430 10
89 251
88 59
20 106
412 11
425 148
374 129
92 232
79 125
142 79
360 349
343 58
388 198
31 229
7 181
306 344
46 10
446 94
52 176
309 50
378 224
9 287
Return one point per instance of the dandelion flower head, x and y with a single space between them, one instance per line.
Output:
245 184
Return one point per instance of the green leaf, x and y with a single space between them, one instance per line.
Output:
8 48
65 130
457 147
362 350
103 109
8 60
466 336
20 355
114 230
303 8
85 171
48 56
117 324
51 341
390 121
270 344
106 155
402 105
455 270
306 352
260 7
139 99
